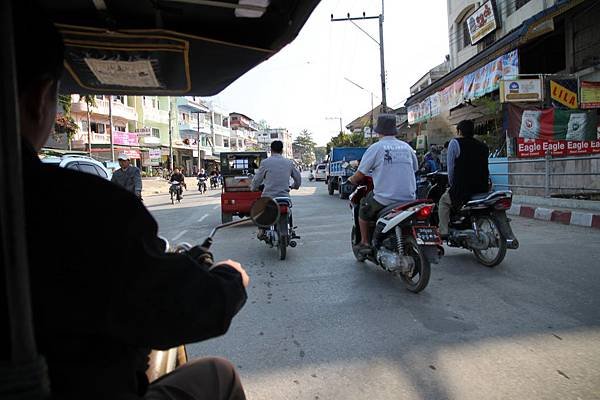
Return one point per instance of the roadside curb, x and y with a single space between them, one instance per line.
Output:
590 219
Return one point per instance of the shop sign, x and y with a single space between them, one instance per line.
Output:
560 93
539 147
487 78
482 22
521 90
131 153
421 142
590 94
125 138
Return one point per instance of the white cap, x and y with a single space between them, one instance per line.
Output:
123 156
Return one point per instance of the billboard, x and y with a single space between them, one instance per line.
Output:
482 22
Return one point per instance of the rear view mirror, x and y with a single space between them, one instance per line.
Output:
265 212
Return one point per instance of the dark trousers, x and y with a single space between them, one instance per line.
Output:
202 379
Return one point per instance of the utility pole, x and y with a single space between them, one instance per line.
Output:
340 118
379 43
110 122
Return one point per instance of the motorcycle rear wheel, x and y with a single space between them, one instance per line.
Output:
488 257
282 229
419 278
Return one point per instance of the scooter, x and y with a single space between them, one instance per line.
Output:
176 191
404 241
201 185
480 225
264 213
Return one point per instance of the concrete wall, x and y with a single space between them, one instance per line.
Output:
562 183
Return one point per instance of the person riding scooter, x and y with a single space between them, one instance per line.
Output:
467 172
202 177
177 176
275 173
392 165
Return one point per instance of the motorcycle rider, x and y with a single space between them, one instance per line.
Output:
392 164
467 172
99 305
202 175
275 173
177 176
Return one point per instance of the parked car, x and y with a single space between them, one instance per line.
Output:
80 163
321 172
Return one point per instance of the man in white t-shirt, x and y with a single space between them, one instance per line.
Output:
392 164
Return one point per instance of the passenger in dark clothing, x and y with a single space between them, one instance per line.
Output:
467 172
105 293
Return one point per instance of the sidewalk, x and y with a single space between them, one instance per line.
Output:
564 211
154 186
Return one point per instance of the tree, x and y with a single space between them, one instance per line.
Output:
90 101
305 147
320 153
64 122
343 139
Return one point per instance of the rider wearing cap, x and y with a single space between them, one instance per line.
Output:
392 164
128 176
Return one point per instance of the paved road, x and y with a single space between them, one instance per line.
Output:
322 326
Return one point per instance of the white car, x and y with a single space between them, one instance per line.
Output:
321 172
80 163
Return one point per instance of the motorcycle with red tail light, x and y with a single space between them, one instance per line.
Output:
404 242
479 225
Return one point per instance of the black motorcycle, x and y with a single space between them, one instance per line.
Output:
201 184
480 225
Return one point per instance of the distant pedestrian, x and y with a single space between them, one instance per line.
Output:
444 156
128 176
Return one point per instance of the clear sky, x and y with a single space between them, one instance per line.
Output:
303 85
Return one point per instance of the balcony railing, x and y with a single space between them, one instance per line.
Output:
119 110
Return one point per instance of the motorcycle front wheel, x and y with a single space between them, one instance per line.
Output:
172 198
418 278
492 256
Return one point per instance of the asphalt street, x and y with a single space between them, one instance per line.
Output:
321 325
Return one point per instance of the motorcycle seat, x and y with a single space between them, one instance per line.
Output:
400 206
284 200
479 198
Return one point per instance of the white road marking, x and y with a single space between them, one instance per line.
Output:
179 235
217 206
203 218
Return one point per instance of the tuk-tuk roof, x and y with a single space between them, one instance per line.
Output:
170 47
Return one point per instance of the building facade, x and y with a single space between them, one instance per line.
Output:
243 132
266 136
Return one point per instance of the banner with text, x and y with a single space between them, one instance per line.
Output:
538 147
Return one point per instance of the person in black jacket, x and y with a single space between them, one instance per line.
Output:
105 292
468 173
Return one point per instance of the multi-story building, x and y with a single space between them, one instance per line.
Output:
193 115
124 122
243 132
220 135
265 137
493 41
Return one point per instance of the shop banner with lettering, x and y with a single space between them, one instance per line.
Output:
434 101
551 123
538 147
590 94
487 78
563 93
413 113
456 95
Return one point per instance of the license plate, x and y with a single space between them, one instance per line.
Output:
427 235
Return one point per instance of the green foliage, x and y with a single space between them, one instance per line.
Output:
343 139
305 146
320 153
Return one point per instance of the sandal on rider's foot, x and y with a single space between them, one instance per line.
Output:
363 249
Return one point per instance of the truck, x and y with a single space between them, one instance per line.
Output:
339 169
